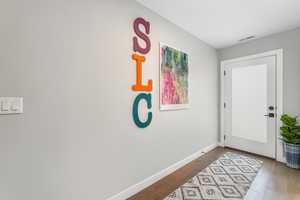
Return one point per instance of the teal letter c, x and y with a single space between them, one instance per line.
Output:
135 112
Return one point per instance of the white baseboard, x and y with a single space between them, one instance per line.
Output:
220 144
156 177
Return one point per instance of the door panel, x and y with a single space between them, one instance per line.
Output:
249 101
249 91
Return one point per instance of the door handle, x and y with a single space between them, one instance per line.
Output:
272 115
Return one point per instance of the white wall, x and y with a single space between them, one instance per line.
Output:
71 61
290 43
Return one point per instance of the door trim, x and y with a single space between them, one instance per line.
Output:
278 53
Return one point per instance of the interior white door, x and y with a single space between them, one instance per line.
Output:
250 105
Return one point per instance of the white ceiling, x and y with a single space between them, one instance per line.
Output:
222 23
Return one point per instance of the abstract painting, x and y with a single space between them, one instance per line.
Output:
174 78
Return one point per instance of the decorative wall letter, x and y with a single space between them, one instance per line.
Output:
136 46
139 86
135 111
139 71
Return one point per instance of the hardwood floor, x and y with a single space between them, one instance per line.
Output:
274 181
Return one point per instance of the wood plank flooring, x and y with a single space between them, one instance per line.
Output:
274 181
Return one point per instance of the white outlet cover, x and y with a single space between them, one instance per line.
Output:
11 105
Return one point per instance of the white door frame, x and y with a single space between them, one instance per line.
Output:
279 95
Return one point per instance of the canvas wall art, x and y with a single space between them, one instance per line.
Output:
174 78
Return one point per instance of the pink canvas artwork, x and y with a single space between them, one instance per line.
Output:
173 78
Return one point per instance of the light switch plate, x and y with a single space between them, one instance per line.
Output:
11 105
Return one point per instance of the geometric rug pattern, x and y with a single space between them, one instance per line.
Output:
227 178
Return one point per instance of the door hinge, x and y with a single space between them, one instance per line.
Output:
224 73
224 137
224 105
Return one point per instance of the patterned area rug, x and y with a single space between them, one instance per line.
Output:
228 178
